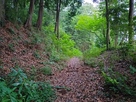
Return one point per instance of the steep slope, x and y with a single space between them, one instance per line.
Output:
16 49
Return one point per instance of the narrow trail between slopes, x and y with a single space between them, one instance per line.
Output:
82 83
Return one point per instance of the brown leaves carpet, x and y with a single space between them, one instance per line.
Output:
82 84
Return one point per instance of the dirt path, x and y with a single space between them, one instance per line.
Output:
83 84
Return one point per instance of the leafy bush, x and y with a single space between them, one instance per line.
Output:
36 38
7 94
94 52
66 46
54 55
117 83
132 69
46 70
128 52
132 53
19 88
61 48
14 12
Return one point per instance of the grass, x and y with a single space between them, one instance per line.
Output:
46 70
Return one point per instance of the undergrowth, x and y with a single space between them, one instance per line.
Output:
18 88
118 68
61 48
119 71
90 56
56 49
46 70
118 83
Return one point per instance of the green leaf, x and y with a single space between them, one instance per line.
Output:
13 99
5 100
132 69
16 84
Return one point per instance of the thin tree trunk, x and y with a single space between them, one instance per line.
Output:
116 40
28 22
108 26
130 18
116 35
56 29
40 15
2 12
103 33
123 37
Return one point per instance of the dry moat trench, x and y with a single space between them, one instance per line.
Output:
82 83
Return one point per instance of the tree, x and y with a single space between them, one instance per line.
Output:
56 29
107 24
74 4
28 22
118 20
130 18
40 15
2 12
72 10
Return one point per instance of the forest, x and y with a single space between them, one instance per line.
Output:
67 51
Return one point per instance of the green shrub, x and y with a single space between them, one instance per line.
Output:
66 46
132 69
55 56
19 89
36 38
60 48
132 53
93 52
16 12
46 70
94 62
117 83
7 94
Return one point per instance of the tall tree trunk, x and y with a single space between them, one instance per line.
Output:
28 22
56 29
116 39
40 15
130 18
2 12
116 31
108 26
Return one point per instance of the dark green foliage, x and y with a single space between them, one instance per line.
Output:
16 10
74 6
124 50
46 70
7 94
19 89
132 69
36 38
128 52
117 83
2 13
60 48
